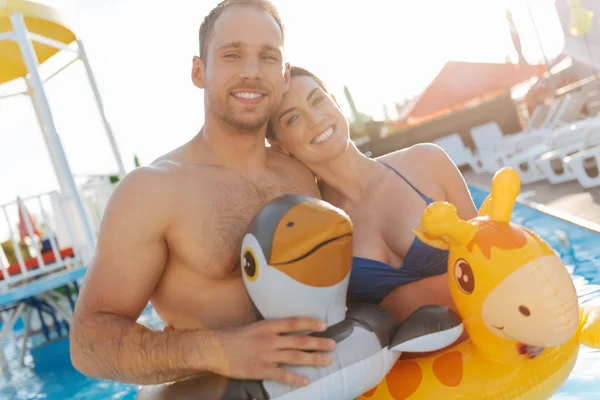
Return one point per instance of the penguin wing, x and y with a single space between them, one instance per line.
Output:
337 332
375 319
429 328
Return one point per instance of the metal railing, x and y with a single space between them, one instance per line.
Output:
50 214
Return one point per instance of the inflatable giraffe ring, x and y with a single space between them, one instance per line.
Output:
517 303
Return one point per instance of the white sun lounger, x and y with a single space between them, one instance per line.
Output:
460 154
525 161
486 138
585 165
564 110
552 163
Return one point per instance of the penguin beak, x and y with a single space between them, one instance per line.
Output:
312 246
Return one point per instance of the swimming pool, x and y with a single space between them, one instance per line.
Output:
579 248
56 379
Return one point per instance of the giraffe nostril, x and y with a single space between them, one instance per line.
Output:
525 311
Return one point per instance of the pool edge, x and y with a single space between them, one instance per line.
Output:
564 216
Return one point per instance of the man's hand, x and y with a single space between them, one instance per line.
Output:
256 351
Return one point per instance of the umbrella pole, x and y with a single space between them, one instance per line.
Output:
589 50
45 135
537 33
107 127
63 170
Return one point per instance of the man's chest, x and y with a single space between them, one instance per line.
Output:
210 223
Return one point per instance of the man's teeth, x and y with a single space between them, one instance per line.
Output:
323 136
248 95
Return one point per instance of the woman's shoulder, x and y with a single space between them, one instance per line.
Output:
428 153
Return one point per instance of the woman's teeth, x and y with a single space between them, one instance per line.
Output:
323 136
248 95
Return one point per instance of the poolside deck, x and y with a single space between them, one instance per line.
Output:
568 200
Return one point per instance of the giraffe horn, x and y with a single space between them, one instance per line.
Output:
505 189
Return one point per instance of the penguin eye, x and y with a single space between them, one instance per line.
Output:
250 268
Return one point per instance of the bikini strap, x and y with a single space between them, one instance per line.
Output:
423 196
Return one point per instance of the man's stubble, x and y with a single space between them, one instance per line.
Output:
225 112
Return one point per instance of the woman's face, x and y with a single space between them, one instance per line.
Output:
308 124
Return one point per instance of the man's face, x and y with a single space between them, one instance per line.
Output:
244 77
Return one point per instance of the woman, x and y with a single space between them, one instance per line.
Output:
384 198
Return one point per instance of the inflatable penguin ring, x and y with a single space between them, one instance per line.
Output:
296 258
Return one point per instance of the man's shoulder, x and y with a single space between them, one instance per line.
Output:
293 169
156 174
288 163
154 184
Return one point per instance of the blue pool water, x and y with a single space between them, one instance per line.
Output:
50 375
578 247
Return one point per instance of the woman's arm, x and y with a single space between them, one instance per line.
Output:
449 178
434 164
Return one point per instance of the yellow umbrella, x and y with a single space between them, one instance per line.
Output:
580 18
31 33
40 20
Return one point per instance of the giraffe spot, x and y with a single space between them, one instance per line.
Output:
404 379
497 234
369 393
448 368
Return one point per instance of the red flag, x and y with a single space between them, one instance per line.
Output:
514 34
22 227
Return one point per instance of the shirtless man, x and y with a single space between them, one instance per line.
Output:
172 231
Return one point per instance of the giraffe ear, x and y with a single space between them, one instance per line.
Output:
437 242
484 210
440 220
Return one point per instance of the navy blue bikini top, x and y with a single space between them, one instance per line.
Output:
372 280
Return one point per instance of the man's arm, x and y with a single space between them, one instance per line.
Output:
106 341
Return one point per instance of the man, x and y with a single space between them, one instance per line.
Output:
172 231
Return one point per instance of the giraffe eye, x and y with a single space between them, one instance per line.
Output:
249 265
464 276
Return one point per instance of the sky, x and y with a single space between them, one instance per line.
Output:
141 54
